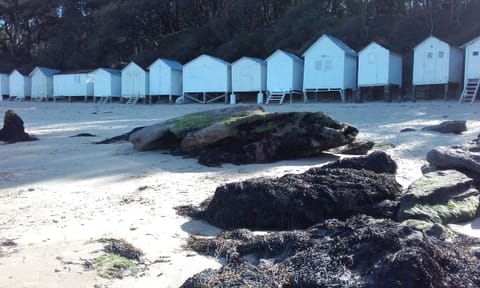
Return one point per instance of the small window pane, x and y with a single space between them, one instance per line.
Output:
475 53
440 54
328 64
372 58
318 65
430 55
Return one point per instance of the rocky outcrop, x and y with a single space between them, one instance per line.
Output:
360 252
465 158
440 197
378 162
301 200
13 130
243 134
355 148
455 127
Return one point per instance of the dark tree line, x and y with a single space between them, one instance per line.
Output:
74 34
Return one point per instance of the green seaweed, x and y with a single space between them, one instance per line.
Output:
113 266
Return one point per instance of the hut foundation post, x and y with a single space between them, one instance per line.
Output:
445 97
387 93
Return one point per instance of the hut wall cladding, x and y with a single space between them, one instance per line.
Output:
249 75
19 85
135 81
284 72
207 74
166 77
72 85
378 66
107 83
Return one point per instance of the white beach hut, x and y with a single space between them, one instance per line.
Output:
73 84
330 65
135 83
436 62
379 67
471 77
249 75
19 85
42 83
107 84
284 76
207 79
4 90
165 78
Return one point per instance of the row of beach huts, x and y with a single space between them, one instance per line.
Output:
328 65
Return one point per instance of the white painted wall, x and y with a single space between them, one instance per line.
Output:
4 89
207 74
106 84
166 77
249 75
42 84
472 59
328 66
284 72
436 62
72 85
377 66
135 81
20 86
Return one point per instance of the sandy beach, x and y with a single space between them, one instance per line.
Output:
59 195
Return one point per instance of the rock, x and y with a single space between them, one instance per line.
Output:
455 127
13 130
383 146
244 134
355 148
378 162
440 197
301 200
358 252
407 130
463 158
83 135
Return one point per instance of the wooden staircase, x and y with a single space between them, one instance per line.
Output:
104 100
470 91
132 100
276 97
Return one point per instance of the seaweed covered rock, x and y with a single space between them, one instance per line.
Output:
378 162
13 130
359 252
455 127
245 134
440 197
354 148
301 200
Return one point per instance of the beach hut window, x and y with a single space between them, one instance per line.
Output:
440 54
318 65
475 53
429 55
328 64
77 79
371 58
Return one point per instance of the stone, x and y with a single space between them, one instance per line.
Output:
407 130
355 148
455 127
377 161
440 197
13 130
297 201
463 158
243 134
358 252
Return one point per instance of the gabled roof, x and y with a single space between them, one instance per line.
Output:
45 71
111 71
292 56
170 63
20 71
85 71
336 41
470 42
436 38
134 63
211 57
383 46
258 60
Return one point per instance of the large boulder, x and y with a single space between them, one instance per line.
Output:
377 161
13 130
354 148
455 127
440 197
359 252
464 158
245 134
301 200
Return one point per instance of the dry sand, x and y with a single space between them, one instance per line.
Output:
59 195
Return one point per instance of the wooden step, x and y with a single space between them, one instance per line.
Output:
470 91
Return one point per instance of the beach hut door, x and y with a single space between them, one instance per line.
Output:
246 77
429 65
